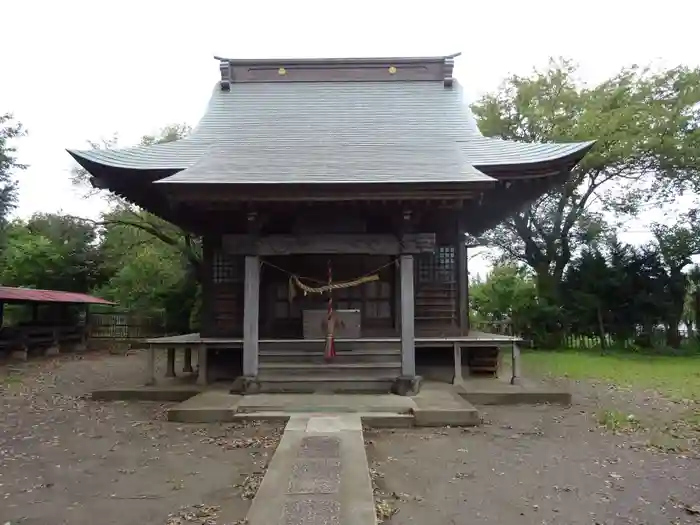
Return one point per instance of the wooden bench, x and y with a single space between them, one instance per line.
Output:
21 339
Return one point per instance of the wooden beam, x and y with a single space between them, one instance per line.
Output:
408 342
366 244
251 315
245 193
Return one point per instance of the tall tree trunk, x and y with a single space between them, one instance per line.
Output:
673 337
549 322
601 327
696 297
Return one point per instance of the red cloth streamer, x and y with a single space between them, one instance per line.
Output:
330 321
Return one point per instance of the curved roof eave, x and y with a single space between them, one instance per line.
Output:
136 159
483 153
510 155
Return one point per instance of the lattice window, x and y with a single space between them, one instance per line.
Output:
224 268
438 266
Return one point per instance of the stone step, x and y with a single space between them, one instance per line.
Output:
333 369
341 403
325 384
369 419
441 406
213 406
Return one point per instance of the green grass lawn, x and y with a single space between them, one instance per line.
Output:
677 377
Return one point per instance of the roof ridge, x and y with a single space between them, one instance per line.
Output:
338 60
245 70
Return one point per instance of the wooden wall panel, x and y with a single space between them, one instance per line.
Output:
222 292
436 292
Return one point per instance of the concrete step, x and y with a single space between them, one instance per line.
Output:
326 403
369 419
331 370
325 384
442 406
208 407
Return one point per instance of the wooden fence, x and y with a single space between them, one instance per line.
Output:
578 341
125 325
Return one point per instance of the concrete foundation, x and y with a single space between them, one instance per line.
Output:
52 350
176 394
499 391
437 404
207 407
19 355
432 407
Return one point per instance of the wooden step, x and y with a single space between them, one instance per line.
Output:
318 356
340 345
325 384
364 370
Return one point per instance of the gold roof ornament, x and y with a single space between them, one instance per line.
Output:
392 70
281 71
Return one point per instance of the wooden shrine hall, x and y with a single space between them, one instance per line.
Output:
332 197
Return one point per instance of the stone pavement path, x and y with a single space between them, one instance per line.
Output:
318 475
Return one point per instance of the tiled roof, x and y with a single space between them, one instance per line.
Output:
30 295
333 132
281 162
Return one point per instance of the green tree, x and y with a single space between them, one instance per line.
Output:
587 297
507 295
9 130
676 245
153 278
155 244
52 252
644 122
691 308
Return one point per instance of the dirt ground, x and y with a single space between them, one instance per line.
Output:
65 459
545 465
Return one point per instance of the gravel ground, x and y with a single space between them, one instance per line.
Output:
544 465
65 459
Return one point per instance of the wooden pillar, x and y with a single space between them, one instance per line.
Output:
202 365
462 282
151 365
458 363
515 379
408 343
187 358
170 364
397 299
250 315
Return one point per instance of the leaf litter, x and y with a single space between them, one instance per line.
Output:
54 435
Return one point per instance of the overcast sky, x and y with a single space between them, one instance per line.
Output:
76 70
